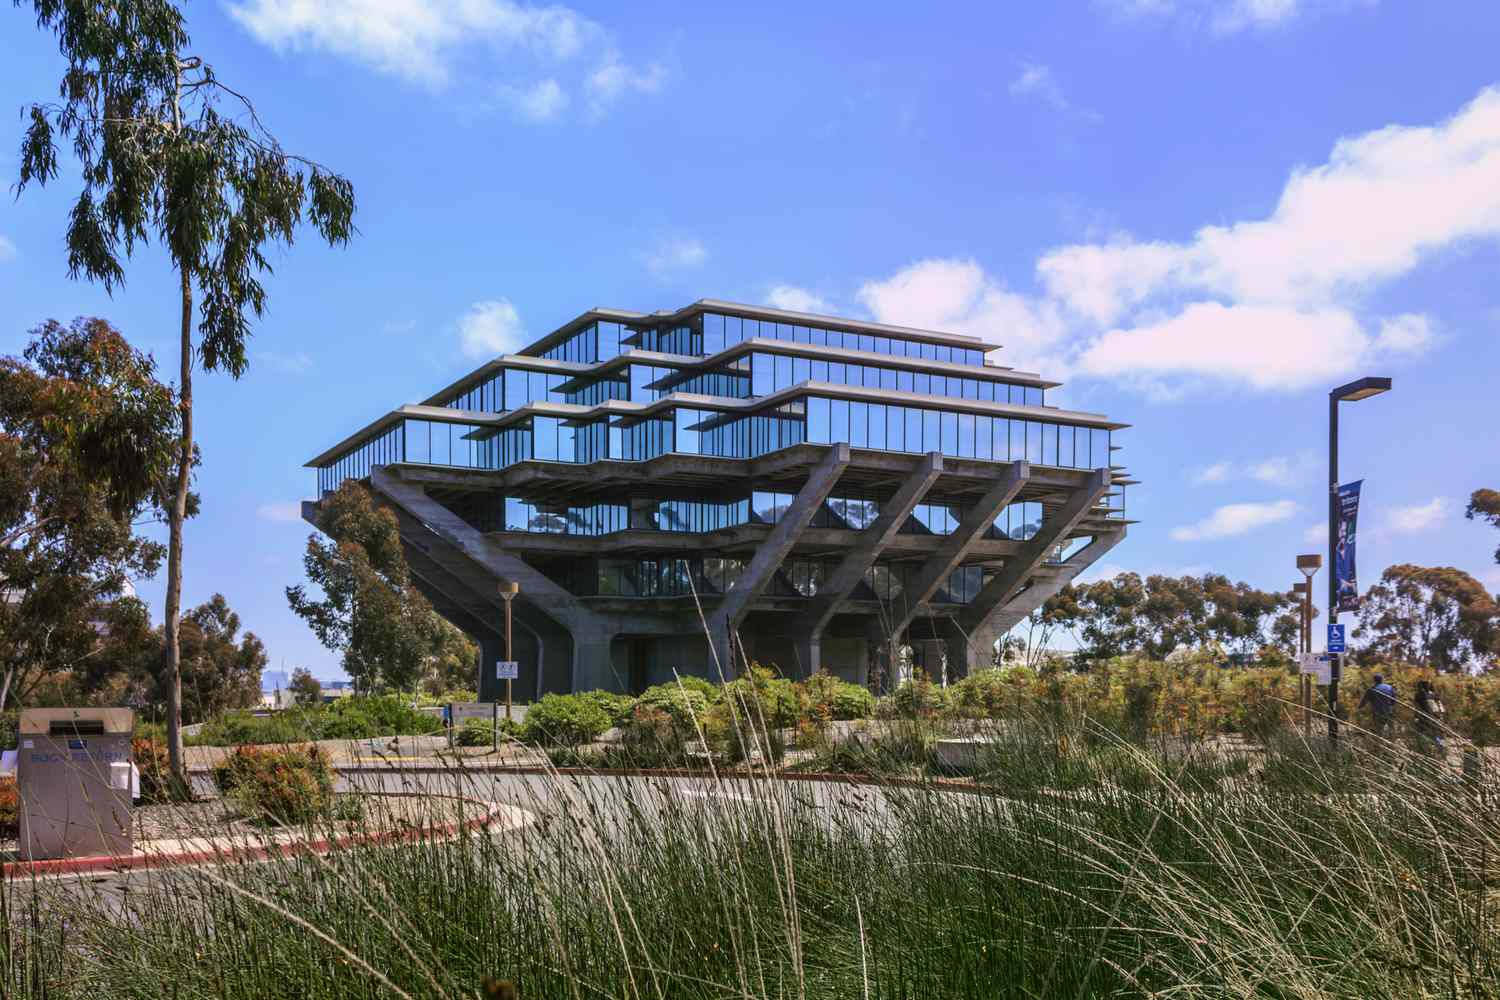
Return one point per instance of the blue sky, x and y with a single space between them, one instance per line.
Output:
1199 214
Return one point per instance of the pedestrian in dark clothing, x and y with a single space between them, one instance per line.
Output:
1381 698
1430 712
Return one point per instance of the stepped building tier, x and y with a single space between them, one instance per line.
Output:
696 490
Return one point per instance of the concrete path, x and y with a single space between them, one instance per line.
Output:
400 817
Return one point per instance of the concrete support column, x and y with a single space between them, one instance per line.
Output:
807 629
593 663
949 550
752 582
1007 583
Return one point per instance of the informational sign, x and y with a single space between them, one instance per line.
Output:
459 711
1336 638
1343 548
507 670
1319 666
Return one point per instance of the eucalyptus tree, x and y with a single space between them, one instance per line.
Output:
159 158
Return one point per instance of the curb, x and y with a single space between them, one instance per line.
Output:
828 777
245 854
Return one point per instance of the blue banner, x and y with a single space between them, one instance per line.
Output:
1343 549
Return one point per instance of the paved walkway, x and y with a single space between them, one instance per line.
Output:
397 818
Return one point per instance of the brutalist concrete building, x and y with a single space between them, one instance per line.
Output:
691 491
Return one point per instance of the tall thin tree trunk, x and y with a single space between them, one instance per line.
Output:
174 545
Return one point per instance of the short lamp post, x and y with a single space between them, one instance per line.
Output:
1350 393
508 591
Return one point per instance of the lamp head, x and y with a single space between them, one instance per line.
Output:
1359 389
1309 564
509 589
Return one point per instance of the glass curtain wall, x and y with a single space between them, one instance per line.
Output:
773 372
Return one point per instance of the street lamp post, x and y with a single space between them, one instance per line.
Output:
1309 565
508 591
1352 392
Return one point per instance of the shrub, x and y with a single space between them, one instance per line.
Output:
993 693
616 706
833 698
288 785
651 737
771 702
367 716
481 733
564 720
918 698
153 761
686 704
10 804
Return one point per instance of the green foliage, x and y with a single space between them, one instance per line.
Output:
1484 505
833 698
564 720
285 785
87 437
370 610
352 718
304 687
617 706
482 733
918 698
993 694
770 701
1433 616
1158 615
685 702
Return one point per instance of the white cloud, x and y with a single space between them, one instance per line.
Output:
1264 346
280 512
674 255
1227 17
1216 473
1315 534
435 42
1278 470
959 297
1235 519
614 79
794 299
1038 82
8 250
1417 518
491 327
296 363
1382 203
543 101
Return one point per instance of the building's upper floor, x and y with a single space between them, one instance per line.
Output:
726 380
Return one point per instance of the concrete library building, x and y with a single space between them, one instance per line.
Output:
698 490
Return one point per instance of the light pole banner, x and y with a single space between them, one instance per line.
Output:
1343 551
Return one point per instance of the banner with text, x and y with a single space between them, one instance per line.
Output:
1343 550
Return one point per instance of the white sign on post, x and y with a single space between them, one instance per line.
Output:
507 670
1319 665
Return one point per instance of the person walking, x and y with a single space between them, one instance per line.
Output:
1381 698
1430 712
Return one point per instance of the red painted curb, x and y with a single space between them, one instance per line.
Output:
137 862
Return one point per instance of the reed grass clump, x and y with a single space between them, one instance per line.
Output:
1083 865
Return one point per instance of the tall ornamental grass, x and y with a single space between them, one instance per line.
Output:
1082 865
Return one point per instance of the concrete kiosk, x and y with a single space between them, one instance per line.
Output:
73 778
